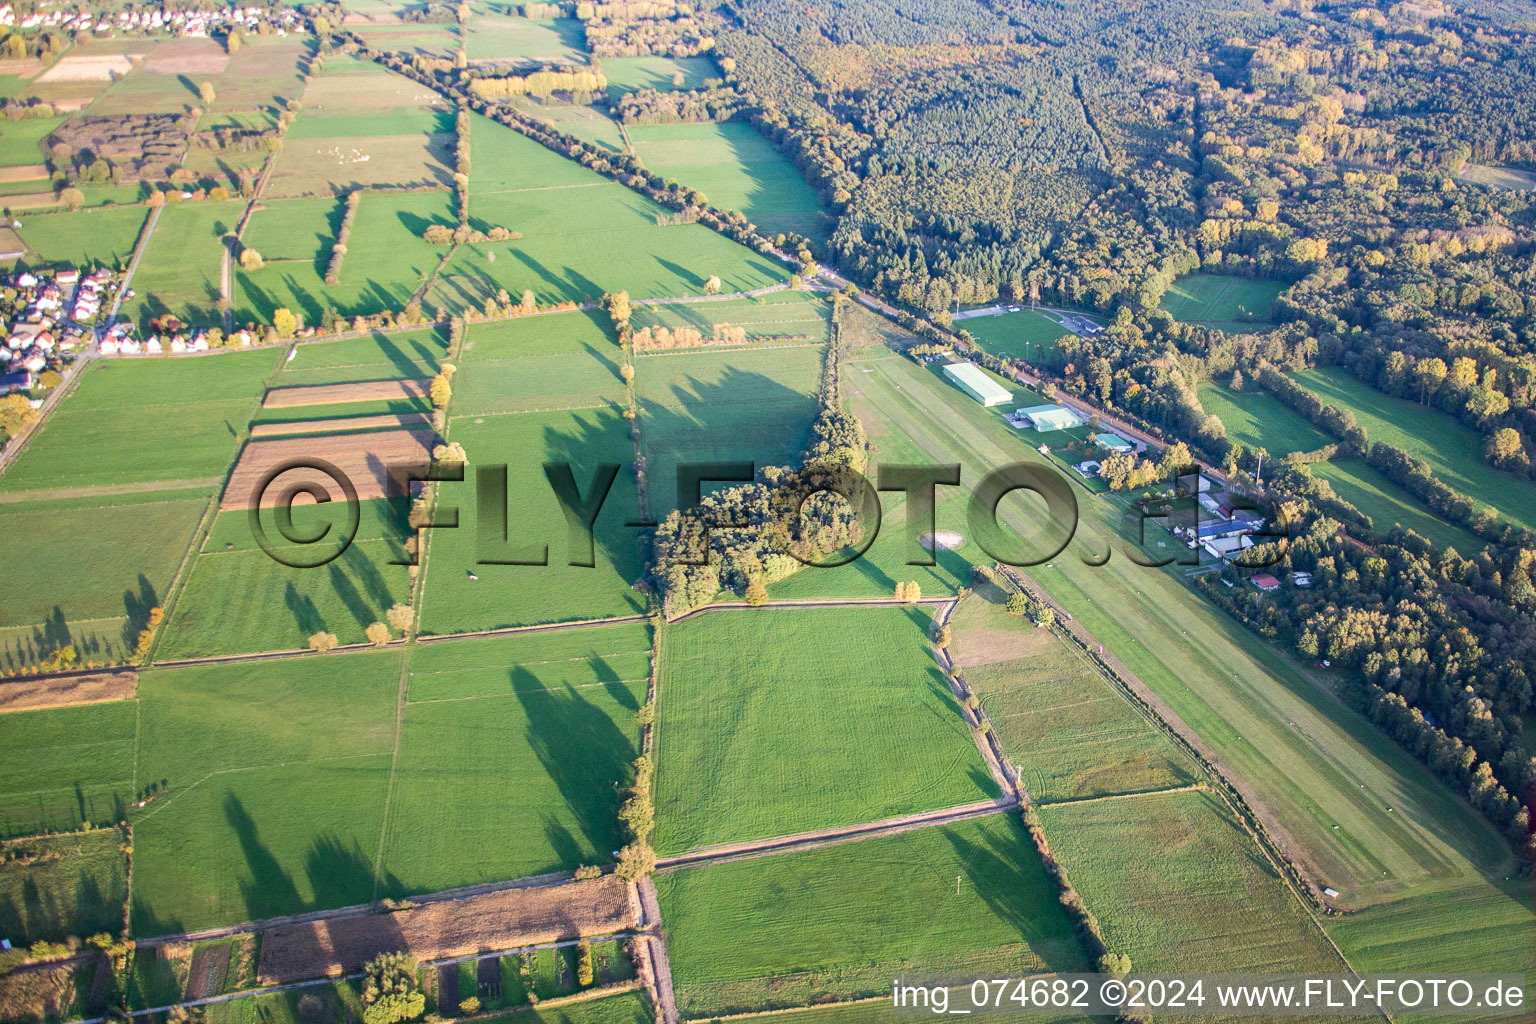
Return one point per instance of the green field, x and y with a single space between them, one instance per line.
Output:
782 315
241 600
179 271
59 886
585 123
737 169
1312 764
822 733
538 41
135 421
511 595
1065 727
272 779
1178 886
20 141
1481 927
1388 504
386 262
1453 451
1257 419
62 767
579 244
512 775
1028 335
112 563
1232 304
626 74
406 355
82 238
741 405
843 920
568 361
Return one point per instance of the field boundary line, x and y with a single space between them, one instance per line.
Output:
727 852
786 1010
987 743
402 689
829 602
1193 787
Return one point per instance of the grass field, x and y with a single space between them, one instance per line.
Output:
112 562
65 766
1308 762
20 141
586 123
82 238
241 600
579 244
1454 452
508 755
135 421
626 74
386 262
1230 303
1388 504
794 928
626 1008
799 316
1177 886
1071 734
273 778
538 41
569 361
402 355
780 705
179 271
1257 419
1028 335
75 884
1481 927
511 595
741 405
737 169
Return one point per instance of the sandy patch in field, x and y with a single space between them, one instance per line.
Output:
188 57
96 688
335 394
410 419
80 68
947 540
26 67
27 172
367 460
494 921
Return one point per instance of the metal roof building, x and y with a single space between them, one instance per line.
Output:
1114 442
1051 417
971 379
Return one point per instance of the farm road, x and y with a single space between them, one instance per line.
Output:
656 952
832 836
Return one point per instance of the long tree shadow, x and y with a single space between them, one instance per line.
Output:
584 752
302 607
270 891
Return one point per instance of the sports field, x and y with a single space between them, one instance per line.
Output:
1066 728
137 421
743 405
509 749
1454 452
1177 886
1028 335
843 920
1230 303
1307 762
1388 504
737 169
1257 419
822 733
65 766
